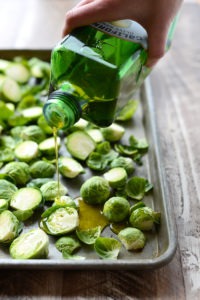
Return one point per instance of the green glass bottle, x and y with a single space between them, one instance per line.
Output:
91 70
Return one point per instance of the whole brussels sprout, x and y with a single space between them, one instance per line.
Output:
33 133
116 209
132 238
7 189
19 171
42 169
144 218
50 190
95 190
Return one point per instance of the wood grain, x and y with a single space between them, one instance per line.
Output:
175 82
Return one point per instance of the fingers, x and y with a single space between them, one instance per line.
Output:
156 45
87 12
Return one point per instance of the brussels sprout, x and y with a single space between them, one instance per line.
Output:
65 201
27 151
17 131
132 238
113 133
107 248
69 167
38 182
144 218
81 124
67 244
95 190
42 169
33 133
6 155
50 190
116 209
88 236
48 145
30 245
18 72
32 113
59 220
19 171
42 123
5 111
80 144
26 198
7 189
127 111
116 177
95 134
124 162
3 204
9 227
135 188
7 141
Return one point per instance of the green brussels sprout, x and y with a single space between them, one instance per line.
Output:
107 248
95 190
17 131
38 182
88 236
42 169
124 162
7 189
136 187
59 220
33 133
27 151
116 177
116 209
6 155
30 245
42 123
67 244
144 218
65 201
7 141
127 111
113 133
69 167
47 146
27 198
96 135
3 204
19 171
9 227
50 190
132 238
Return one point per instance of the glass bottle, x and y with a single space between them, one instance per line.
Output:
91 71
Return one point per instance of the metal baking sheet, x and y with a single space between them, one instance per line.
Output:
161 243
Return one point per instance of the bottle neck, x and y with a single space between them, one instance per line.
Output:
62 110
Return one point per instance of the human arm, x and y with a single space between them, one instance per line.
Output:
154 15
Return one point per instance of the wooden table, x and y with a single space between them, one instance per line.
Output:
176 90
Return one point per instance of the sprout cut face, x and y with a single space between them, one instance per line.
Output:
33 244
9 227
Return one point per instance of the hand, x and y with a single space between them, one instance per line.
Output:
154 15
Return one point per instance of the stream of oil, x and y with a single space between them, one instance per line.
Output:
55 134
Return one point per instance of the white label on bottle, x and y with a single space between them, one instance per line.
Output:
124 29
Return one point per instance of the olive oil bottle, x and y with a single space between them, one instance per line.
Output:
92 70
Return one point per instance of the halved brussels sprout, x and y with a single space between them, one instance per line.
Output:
69 167
95 190
27 151
30 245
132 238
116 177
124 162
26 198
33 133
9 227
3 204
48 145
113 133
59 220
